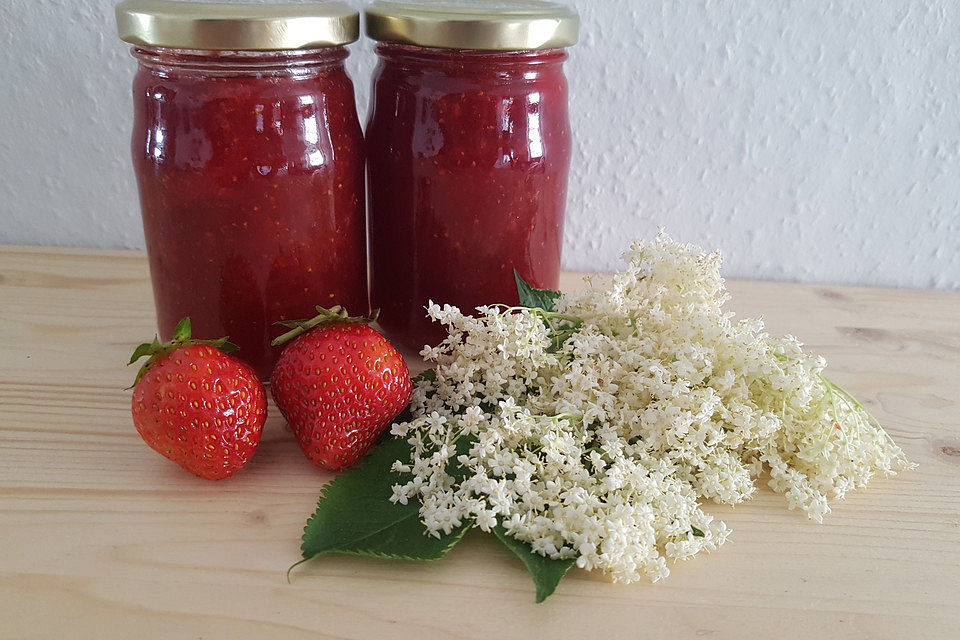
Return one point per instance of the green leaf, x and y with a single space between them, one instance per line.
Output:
535 298
407 415
696 532
325 317
144 349
354 514
456 470
151 349
546 573
181 338
426 374
225 345
182 332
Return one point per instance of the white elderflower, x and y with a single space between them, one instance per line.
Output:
595 431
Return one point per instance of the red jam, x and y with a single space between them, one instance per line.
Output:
250 169
468 154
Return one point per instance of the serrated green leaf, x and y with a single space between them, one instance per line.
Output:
535 298
354 514
546 573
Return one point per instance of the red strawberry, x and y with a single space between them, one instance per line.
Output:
196 405
339 385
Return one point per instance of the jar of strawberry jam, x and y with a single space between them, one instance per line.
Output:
468 149
248 155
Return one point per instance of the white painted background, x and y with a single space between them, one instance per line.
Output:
811 140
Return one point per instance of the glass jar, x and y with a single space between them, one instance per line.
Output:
467 157
248 155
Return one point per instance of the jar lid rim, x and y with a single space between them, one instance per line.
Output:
519 25
219 26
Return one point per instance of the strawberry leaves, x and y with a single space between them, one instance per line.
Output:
182 331
181 338
325 317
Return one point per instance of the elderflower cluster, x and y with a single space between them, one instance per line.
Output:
594 431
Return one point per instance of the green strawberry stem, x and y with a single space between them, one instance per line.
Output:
181 338
325 317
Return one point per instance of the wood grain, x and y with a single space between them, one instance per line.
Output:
102 538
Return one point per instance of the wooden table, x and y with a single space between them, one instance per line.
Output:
102 538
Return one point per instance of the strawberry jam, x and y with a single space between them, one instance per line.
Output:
468 154
250 171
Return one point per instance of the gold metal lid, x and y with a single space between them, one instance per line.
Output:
236 27
517 25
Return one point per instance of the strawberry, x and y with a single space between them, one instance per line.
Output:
339 384
196 405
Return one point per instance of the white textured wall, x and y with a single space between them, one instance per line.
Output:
810 140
